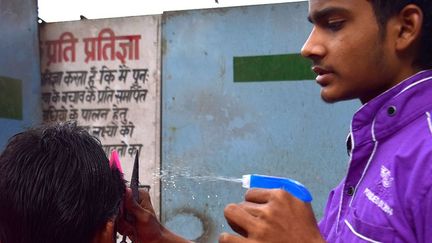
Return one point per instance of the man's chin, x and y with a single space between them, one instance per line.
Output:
329 101
331 98
328 98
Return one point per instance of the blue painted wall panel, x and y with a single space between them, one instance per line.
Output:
214 127
19 51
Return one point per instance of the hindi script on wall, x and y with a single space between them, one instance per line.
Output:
105 74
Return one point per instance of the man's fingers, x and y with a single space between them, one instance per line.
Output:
137 211
145 201
253 209
258 195
143 195
129 201
229 238
239 219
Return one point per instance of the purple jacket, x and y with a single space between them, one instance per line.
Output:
386 195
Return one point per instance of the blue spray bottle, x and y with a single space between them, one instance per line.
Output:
271 182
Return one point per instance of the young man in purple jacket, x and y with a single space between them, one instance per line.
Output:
378 51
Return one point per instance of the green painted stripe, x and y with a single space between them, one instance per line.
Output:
285 67
10 98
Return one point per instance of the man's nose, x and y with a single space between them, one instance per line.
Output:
313 48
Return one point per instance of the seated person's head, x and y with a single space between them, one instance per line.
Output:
56 186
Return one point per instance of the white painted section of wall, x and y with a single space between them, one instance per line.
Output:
106 75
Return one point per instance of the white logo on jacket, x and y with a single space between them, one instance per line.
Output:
386 177
377 201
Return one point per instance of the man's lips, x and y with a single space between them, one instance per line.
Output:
324 74
320 70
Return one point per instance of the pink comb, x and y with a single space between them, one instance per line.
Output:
114 161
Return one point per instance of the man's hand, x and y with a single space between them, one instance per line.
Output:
140 224
271 216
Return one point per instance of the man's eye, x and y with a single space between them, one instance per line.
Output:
335 25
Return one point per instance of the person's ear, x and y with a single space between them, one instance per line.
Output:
409 24
105 234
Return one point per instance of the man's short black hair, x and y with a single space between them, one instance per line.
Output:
385 9
56 186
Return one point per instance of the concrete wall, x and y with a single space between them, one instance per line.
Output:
19 67
237 99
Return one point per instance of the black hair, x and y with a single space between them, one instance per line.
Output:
385 9
56 186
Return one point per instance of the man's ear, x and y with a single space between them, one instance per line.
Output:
105 234
410 22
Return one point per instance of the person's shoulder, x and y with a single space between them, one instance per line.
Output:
419 157
411 149
418 128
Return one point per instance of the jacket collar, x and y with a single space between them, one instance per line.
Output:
394 108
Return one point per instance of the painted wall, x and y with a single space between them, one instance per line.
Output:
105 74
19 68
237 99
